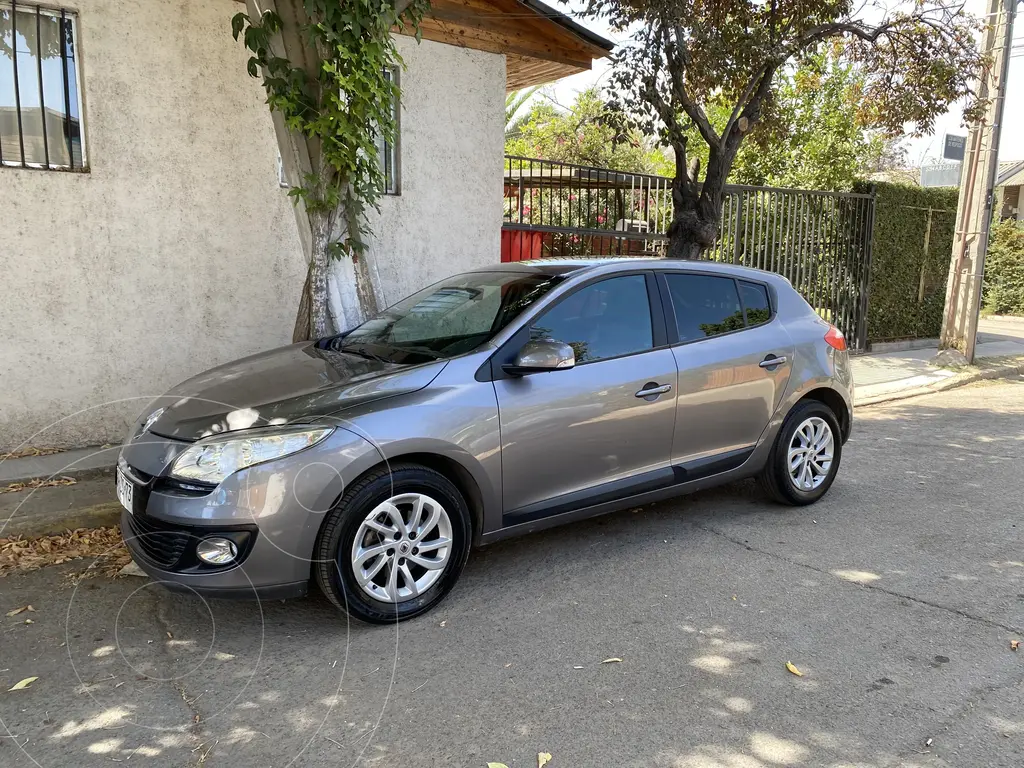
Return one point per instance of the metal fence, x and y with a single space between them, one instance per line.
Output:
820 241
559 210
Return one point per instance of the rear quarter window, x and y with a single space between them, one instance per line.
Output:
755 302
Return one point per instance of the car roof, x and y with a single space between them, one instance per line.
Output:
594 265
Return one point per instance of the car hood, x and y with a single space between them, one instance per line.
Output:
291 384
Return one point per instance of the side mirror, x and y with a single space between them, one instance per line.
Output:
542 355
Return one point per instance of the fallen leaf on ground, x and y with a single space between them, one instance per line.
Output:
29 621
612 660
792 668
30 452
1014 644
23 684
39 482
496 765
20 554
16 611
543 758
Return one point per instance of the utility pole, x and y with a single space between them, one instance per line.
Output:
977 183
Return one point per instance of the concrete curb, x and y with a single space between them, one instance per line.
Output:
962 379
77 462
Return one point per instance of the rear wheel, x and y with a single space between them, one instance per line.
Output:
805 458
394 545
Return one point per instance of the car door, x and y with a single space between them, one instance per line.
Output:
734 359
587 434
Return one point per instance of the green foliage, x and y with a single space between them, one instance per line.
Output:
813 135
342 105
897 308
589 132
1004 269
513 103
684 57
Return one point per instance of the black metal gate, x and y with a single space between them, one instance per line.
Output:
820 241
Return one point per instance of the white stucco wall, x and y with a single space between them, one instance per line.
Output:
447 217
176 252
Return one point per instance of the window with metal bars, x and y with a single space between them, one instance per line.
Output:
40 97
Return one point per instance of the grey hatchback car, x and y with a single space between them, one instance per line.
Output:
491 404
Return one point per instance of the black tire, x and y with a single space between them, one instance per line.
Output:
775 479
332 567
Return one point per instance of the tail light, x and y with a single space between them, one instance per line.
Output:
835 339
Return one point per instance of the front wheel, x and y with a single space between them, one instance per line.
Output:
394 545
805 458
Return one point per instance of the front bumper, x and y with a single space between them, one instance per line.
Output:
232 583
276 509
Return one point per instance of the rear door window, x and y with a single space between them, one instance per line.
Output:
705 305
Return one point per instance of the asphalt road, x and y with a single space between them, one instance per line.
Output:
897 597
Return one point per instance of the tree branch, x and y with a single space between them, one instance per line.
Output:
677 56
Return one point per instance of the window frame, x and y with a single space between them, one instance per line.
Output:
510 348
672 323
391 155
71 16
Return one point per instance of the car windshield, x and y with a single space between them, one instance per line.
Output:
449 318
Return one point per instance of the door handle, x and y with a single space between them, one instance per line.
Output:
771 362
650 390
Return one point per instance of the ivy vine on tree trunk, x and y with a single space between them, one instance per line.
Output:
339 101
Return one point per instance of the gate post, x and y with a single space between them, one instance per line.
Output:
861 342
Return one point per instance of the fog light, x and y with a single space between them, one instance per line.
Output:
216 551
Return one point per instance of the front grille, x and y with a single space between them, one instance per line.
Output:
160 542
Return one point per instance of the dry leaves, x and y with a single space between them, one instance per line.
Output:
23 684
543 758
23 608
1014 644
792 668
30 452
39 482
21 554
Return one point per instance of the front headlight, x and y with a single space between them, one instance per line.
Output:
211 460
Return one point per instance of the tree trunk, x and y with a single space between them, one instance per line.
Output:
364 282
312 320
696 208
301 330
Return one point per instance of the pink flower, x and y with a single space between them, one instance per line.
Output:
572 198
600 219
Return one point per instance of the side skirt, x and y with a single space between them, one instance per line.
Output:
648 487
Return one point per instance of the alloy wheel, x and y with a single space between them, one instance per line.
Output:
401 547
810 453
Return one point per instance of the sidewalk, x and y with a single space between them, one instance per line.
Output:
891 375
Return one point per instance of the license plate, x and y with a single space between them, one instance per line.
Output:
125 491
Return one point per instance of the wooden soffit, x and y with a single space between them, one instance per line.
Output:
540 44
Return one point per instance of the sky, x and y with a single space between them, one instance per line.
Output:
920 150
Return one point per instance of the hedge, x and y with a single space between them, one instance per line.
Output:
896 307
1004 269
